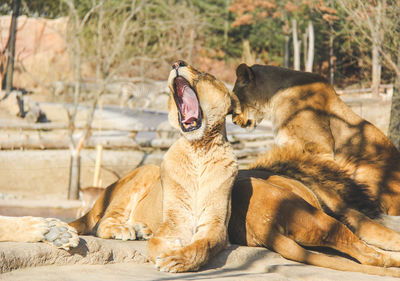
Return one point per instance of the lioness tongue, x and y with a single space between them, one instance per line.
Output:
190 105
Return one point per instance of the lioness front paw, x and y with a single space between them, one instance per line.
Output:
112 229
178 261
60 234
143 231
173 263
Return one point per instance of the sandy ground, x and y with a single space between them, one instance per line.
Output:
144 272
235 263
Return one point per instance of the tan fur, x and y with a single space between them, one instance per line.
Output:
281 214
88 195
313 116
317 173
266 213
37 229
197 175
268 210
118 213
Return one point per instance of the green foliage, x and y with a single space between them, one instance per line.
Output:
217 21
164 30
125 37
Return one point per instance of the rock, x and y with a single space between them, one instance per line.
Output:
91 250
12 102
40 48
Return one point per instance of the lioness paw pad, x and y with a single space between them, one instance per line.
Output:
60 234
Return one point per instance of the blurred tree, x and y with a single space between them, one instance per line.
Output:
309 47
119 39
377 24
267 25
329 18
296 46
215 18
390 51
365 25
264 24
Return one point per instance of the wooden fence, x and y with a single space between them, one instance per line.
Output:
22 135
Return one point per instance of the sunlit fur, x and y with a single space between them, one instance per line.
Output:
269 207
197 175
38 229
305 110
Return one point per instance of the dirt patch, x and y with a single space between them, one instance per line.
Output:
100 259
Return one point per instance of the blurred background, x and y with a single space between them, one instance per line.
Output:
84 92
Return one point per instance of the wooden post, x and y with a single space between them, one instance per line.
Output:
296 46
74 179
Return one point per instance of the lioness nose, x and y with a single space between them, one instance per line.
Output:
178 64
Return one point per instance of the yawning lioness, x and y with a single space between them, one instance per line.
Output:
184 207
186 203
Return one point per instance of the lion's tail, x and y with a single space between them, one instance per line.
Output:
322 175
291 250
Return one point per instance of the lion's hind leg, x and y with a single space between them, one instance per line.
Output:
323 230
117 222
289 249
280 220
117 227
123 218
371 231
127 209
37 229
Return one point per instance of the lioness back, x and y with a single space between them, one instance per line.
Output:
305 110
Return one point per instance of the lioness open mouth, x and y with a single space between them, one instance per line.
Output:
188 104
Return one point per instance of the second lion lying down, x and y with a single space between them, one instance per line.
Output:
185 207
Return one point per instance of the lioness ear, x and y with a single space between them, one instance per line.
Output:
244 74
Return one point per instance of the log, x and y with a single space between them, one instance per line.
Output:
7 125
37 142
